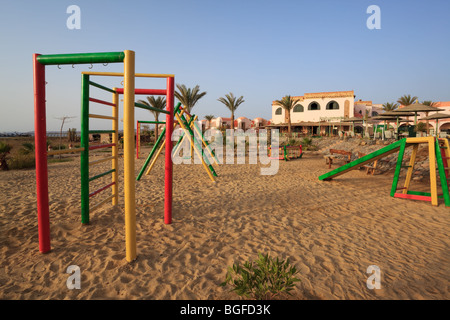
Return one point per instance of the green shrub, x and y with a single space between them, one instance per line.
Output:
22 161
266 278
27 148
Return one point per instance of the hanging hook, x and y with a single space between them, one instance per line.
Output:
105 64
91 66
59 67
73 66
121 82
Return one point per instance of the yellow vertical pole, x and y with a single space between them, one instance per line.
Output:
432 159
115 149
138 139
409 173
128 155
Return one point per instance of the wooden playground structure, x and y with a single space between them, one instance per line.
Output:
438 155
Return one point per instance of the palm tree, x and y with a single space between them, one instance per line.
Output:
158 103
208 118
406 100
232 103
188 97
390 106
287 103
429 103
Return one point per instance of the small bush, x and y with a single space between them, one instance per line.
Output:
27 148
22 161
264 279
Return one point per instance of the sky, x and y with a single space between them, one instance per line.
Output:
259 49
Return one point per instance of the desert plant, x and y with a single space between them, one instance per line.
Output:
22 161
4 151
27 148
266 278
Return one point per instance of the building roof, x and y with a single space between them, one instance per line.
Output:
367 103
321 95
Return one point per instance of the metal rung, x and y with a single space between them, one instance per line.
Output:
101 146
101 160
101 131
101 189
98 116
401 188
101 175
102 102
98 205
53 152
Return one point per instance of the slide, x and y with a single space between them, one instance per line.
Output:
381 153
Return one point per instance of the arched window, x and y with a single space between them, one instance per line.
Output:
298 108
332 105
278 111
314 106
374 113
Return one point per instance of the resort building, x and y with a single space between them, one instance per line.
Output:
239 123
317 113
443 124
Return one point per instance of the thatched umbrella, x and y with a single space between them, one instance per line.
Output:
416 108
436 116
397 114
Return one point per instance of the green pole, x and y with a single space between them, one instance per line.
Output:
442 175
155 147
401 152
81 58
84 162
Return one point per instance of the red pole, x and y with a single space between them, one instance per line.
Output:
168 155
40 141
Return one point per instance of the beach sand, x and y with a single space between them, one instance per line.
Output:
331 231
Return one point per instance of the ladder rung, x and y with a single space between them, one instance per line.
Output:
401 188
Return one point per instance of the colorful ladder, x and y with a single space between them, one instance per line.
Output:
86 208
287 152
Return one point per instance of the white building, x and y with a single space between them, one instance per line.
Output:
317 113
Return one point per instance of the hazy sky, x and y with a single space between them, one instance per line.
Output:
262 50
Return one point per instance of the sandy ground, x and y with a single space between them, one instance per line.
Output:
331 231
